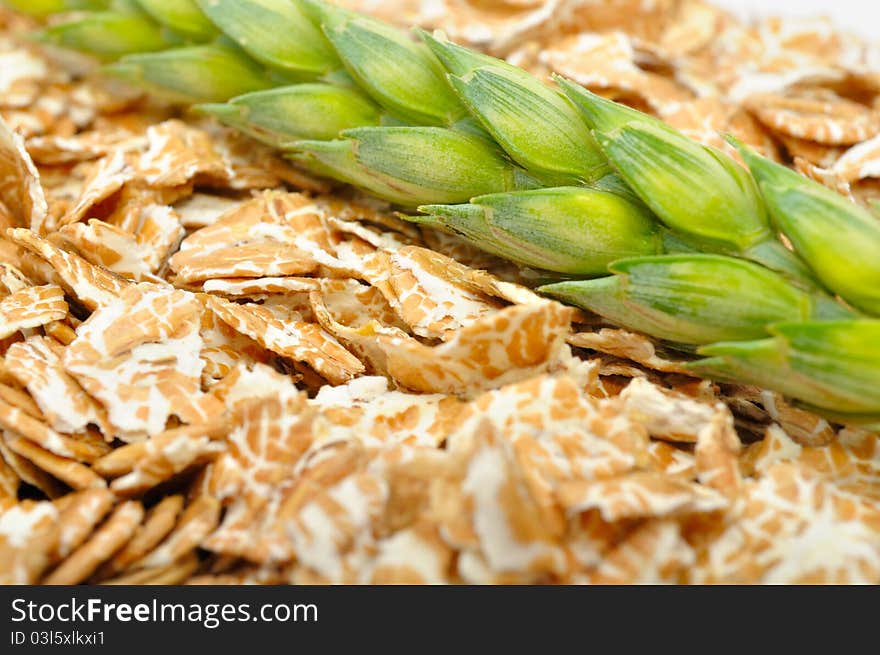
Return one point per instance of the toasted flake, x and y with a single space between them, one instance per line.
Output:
246 260
22 74
851 463
176 153
329 516
29 472
367 410
776 446
300 341
823 176
431 303
833 121
61 331
80 512
656 553
793 527
640 495
56 149
804 427
196 522
175 573
514 531
666 414
201 210
557 432
168 454
717 453
12 279
28 535
707 119
412 556
20 189
245 383
22 424
256 239
37 364
109 538
69 471
261 286
354 304
819 154
20 399
158 523
508 345
253 165
268 439
31 307
9 483
156 232
92 286
672 461
139 356
108 246
627 345
224 347
859 162
606 62
107 177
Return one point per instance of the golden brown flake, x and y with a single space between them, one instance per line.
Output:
826 119
28 535
69 471
640 495
655 553
793 527
92 286
626 345
289 337
37 363
606 63
139 356
31 307
20 190
157 524
511 344
109 538
196 522
666 414
80 512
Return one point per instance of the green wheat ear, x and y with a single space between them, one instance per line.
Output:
659 233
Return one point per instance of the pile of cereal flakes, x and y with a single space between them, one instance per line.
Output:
218 369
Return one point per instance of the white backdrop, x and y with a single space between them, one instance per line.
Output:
860 16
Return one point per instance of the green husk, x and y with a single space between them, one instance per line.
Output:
408 165
534 124
45 8
571 230
694 298
195 74
277 33
699 192
181 16
397 72
292 113
831 365
838 239
106 35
